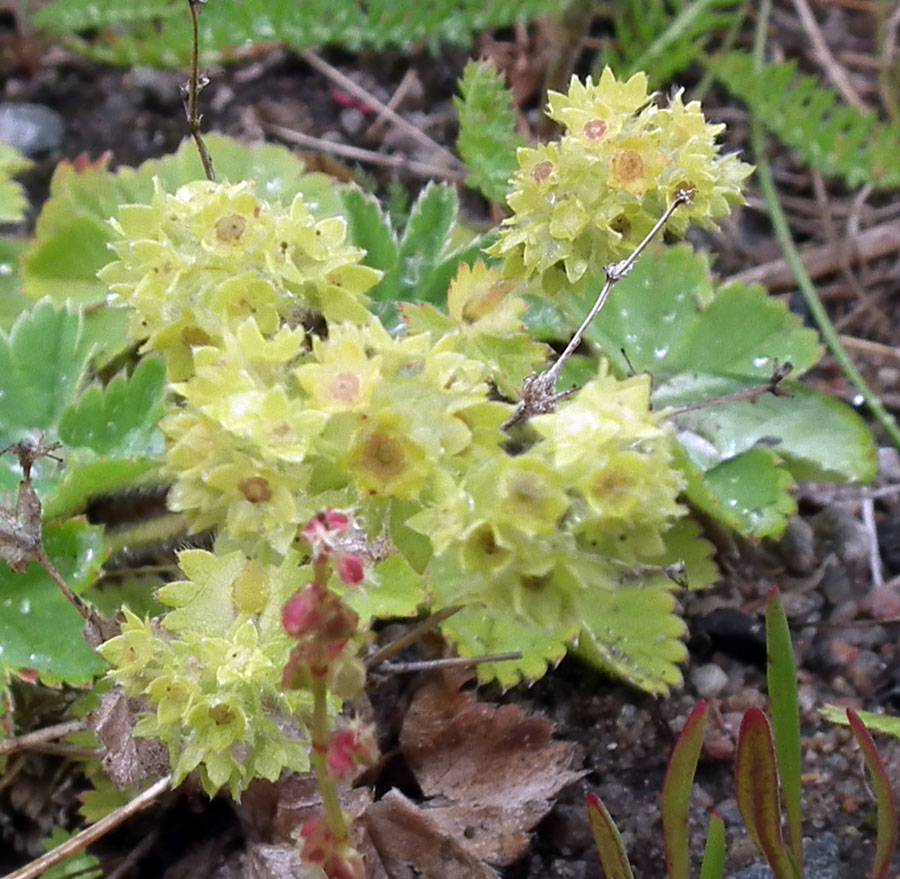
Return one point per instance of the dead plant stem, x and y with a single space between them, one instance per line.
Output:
90 835
195 85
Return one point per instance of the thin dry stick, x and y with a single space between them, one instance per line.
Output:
413 635
360 93
40 736
772 386
91 834
877 241
836 73
539 390
867 346
454 662
360 154
396 99
88 613
868 517
194 87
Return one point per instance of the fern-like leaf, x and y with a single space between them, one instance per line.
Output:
835 139
158 31
487 129
663 37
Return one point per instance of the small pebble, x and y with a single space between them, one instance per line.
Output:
881 604
709 680
863 672
840 532
797 546
352 120
889 464
33 129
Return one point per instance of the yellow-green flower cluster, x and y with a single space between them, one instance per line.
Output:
585 201
271 430
595 492
198 262
211 674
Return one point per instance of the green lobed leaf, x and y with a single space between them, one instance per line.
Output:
157 32
12 301
42 360
369 227
888 724
633 633
87 475
884 797
81 865
12 197
676 793
608 840
701 343
72 233
781 676
39 630
756 785
487 138
119 420
392 590
750 493
477 633
831 136
816 437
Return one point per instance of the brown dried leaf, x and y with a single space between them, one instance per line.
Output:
412 846
496 770
128 761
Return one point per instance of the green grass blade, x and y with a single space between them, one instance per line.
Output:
676 793
756 786
713 866
608 840
881 787
782 678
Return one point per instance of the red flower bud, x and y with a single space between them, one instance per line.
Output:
351 570
303 611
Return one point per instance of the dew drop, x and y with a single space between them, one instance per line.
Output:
732 502
858 399
25 606
5 269
660 352
760 362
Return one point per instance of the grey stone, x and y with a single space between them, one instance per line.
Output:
820 861
33 129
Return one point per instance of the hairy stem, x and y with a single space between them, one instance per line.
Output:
792 256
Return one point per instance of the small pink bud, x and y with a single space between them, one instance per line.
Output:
351 570
323 530
317 841
352 746
303 611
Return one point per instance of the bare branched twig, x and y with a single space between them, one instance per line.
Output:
414 634
773 386
191 91
539 393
